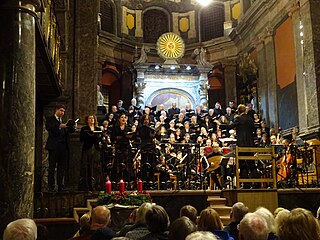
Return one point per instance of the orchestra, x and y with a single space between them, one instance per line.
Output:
136 144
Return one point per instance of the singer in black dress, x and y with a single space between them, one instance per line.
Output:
90 173
121 135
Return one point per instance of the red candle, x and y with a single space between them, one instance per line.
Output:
139 186
108 186
121 186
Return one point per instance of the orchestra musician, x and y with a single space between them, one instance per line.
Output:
90 172
220 171
163 169
286 161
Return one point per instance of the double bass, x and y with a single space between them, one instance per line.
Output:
284 164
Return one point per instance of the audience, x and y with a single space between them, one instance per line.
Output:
299 224
21 229
100 219
268 217
237 212
201 235
140 229
181 228
253 227
127 227
209 220
189 212
84 225
158 222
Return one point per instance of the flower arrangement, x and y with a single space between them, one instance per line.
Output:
122 198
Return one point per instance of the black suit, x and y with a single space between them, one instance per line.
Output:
58 147
245 129
244 125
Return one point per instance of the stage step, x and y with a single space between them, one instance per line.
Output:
215 200
219 204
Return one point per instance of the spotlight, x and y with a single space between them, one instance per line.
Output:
172 67
157 67
204 2
188 68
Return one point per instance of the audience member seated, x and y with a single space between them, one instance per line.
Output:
158 222
209 220
127 227
140 229
299 224
181 228
201 235
84 225
189 212
100 219
279 218
253 227
268 217
21 229
237 213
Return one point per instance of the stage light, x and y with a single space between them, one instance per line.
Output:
204 2
157 67
188 68
172 67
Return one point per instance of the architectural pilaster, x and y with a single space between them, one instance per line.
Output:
306 20
271 76
86 59
230 80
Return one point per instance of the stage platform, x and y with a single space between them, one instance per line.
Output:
59 210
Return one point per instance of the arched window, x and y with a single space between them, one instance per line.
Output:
212 19
155 23
107 16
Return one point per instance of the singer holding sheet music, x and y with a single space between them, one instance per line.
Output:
121 135
58 147
90 172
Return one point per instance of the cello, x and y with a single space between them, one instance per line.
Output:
285 162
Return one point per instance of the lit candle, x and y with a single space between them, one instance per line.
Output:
139 186
108 186
121 186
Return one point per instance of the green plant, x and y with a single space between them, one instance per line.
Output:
132 199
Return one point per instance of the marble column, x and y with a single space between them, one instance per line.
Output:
230 82
308 67
262 81
271 76
17 108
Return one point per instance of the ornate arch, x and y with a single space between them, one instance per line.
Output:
182 96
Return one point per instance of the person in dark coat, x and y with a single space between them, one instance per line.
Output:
58 146
245 129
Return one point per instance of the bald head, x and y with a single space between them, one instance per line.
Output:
100 217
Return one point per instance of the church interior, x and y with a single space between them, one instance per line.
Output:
257 52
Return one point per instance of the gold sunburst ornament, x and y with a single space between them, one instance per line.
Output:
170 46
